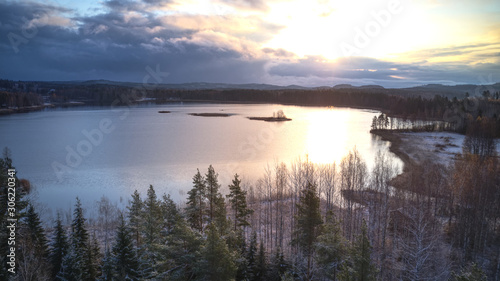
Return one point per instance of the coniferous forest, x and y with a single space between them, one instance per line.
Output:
299 221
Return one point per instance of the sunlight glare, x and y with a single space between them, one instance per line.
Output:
326 146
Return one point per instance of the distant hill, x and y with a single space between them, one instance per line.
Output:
453 91
426 91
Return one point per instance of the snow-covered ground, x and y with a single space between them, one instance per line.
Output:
440 147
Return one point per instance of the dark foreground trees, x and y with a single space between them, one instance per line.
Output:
308 222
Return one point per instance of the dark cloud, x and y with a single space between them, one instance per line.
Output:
44 42
356 69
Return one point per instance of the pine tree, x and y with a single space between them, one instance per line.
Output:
262 267
170 213
123 255
212 193
107 267
36 232
252 257
218 263
331 247
360 267
33 250
238 201
152 217
135 216
77 264
95 258
59 247
216 203
196 203
183 250
279 266
308 224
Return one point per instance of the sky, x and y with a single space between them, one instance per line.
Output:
393 43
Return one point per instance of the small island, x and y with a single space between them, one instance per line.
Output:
163 111
278 116
210 114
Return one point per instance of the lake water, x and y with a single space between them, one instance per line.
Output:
94 151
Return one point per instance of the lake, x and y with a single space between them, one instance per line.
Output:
94 151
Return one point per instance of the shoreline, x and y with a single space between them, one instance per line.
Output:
395 147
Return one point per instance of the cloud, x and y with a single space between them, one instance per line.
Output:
373 71
50 42
259 5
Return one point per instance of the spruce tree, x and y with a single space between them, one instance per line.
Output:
183 250
212 193
262 267
216 204
123 256
196 202
218 263
170 212
135 217
33 248
308 224
77 264
152 217
107 267
252 257
36 233
331 247
95 258
360 266
59 246
238 201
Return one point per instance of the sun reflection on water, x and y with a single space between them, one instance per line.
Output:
327 145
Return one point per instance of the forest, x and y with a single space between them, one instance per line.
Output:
300 221
405 104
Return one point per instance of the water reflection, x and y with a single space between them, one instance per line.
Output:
327 135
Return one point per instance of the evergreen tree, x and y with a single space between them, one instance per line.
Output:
107 267
238 201
152 217
149 257
360 266
77 264
212 193
170 213
196 202
135 216
261 270
123 256
331 247
252 257
59 247
183 250
95 258
218 263
33 248
308 224
36 233
216 204
279 266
